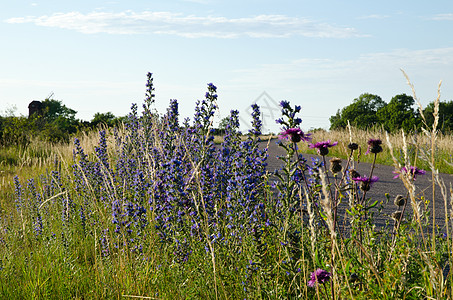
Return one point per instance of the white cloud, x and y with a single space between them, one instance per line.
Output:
322 86
443 17
370 63
190 26
198 1
378 17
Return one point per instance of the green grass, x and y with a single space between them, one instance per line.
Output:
66 261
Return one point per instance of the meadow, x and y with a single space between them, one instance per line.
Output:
155 209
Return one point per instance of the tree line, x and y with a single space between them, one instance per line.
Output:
400 113
57 122
54 123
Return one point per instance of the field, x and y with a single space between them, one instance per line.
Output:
157 210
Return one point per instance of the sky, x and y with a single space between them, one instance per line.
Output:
94 55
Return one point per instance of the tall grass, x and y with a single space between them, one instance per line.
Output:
156 210
417 144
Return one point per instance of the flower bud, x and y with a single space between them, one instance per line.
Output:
353 146
397 215
399 200
335 165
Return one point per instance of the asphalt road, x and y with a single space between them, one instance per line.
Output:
386 184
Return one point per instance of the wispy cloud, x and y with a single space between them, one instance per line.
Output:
377 17
443 17
189 26
322 86
198 1
371 70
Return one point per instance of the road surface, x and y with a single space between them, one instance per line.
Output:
386 184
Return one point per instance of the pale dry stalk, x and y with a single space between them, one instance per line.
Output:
326 203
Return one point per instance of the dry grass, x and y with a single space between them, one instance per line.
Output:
416 142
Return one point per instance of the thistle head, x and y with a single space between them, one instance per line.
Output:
399 200
353 146
323 147
319 276
295 135
335 165
365 182
374 146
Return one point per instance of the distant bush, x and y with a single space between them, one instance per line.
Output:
56 123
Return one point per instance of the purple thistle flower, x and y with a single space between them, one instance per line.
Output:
366 182
374 146
319 276
414 171
323 147
295 135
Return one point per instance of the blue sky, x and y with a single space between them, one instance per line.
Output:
94 55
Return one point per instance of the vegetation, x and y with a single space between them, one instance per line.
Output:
155 210
370 111
55 123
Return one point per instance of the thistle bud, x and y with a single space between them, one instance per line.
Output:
397 215
399 200
353 146
335 165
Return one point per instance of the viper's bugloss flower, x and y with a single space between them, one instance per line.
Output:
414 171
323 147
295 135
284 104
366 182
374 146
319 276
212 87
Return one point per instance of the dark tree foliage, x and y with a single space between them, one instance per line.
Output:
105 119
54 109
370 110
445 115
56 123
399 114
361 113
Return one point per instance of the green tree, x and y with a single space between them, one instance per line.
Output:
445 115
222 125
399 113
57 122
107 119
361 113
53 109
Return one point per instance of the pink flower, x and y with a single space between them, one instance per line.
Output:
374 146
366 182
323 147
319 276
414 171
295 135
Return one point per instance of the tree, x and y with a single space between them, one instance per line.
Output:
445 115
399 114
57 122
52 109
107 119
361 113
223 125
